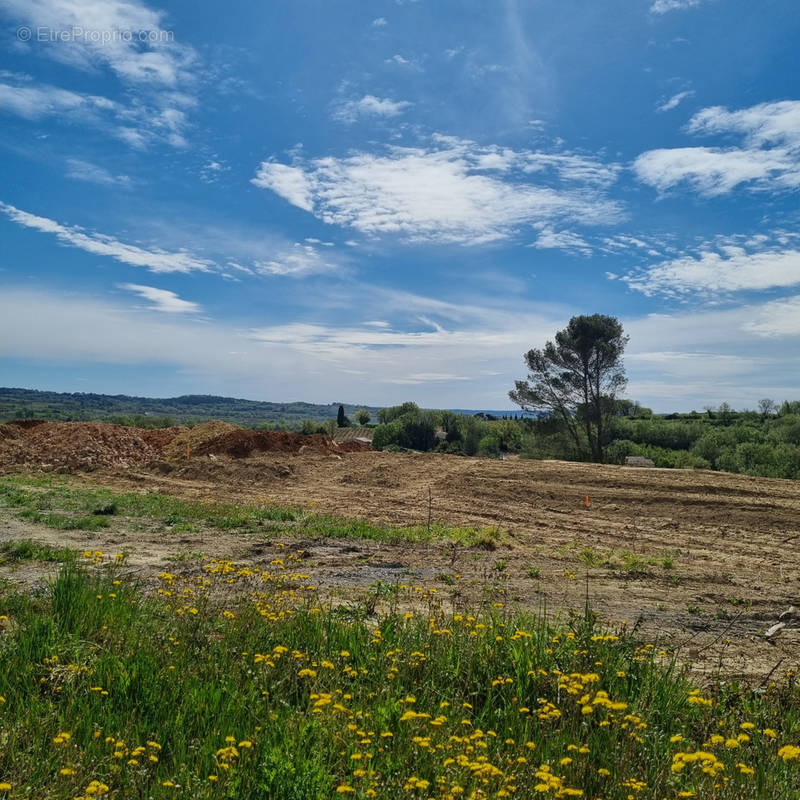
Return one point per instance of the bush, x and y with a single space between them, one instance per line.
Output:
619 450
417 432
384 435
489 446
412 431
451 448
508 434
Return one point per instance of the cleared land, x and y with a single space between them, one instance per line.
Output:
703 561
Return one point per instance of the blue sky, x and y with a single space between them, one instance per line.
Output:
375 202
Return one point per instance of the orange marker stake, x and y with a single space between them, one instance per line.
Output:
189 450
586 501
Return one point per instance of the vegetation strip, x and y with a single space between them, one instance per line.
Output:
52 501
233 681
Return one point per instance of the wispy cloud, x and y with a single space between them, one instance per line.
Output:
137 124
156 260
730 264
297 262
310 359
37 101
762 125
674 101
369 106
709 357
768 160
81 170
450 191
153 58
664 6
398 59
379 22
125 37
161 299
549 239
777 319
251 249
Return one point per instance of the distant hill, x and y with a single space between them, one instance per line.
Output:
506 413
154 412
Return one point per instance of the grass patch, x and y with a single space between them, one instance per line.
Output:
239 683
53 502
64 522
28 550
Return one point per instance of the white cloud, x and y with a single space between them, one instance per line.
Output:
451 191
161 299
562 240
91 173
690 360
663 6
252 249
644 244
213 169
370 106
35 102
290 183
154 58
380 22
123 36
297 261
674 101
714 171
155 260
779 318
763 124
138 124
768 161
729 265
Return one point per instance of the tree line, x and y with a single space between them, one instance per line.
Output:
573 395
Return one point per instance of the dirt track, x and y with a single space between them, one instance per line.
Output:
706 561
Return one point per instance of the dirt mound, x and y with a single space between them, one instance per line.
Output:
80 445
91 445
15 428
241 443
26 424
197 436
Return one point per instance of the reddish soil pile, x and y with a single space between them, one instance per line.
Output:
91 445
79 445
25 424
196 437
243 443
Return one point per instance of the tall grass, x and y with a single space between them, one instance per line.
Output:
234 682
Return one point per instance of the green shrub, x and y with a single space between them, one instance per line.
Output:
489 446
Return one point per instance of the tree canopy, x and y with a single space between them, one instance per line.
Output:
577 379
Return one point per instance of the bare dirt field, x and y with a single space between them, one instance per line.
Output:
703 562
